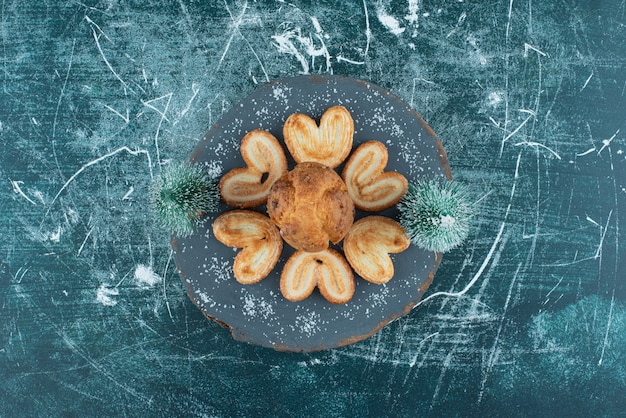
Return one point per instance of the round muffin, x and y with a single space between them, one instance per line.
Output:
311 206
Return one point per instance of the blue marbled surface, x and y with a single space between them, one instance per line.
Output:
528 318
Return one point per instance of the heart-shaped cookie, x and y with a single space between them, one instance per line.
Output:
259 239
245 187
368 245
370 187
329 144
328 270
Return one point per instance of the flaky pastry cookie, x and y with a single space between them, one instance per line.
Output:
368 245
263 154
328 270
258 238
329 144
371 188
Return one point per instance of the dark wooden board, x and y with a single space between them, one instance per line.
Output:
258 313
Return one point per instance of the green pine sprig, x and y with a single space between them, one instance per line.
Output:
436 214
182 195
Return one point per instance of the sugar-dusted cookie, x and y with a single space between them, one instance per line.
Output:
328 270
368 245
245 187
329 144
371 188
258 238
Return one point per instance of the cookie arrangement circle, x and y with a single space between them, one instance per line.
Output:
259 313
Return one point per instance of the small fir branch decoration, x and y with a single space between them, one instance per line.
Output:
182 195
436 214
